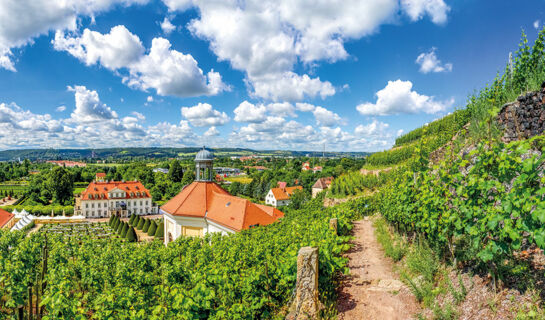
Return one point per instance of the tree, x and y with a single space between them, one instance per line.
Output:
146 225
141 223
298 198
234 189
152 228
131 235
175 172
124 229
160 232
189 177
60 184
131 220
119 226
111 220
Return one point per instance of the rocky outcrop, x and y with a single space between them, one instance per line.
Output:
523 118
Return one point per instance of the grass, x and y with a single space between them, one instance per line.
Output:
240 179
78 190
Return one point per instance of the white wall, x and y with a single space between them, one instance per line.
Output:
173 224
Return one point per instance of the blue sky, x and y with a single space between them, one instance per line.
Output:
349 74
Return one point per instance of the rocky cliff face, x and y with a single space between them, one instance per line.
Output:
523 118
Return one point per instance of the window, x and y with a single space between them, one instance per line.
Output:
147 202
140 202
141 211
98 205
86 205
92 205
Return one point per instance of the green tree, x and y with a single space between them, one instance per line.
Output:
131 220
124 229
146 225
189 177
60 184
152 228
160 232
175 172
141 223
131 235
298 199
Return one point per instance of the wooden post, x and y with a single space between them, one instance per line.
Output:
306 304
30 303
333 224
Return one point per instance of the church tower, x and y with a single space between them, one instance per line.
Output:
204 163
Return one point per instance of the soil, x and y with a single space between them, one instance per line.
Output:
372 290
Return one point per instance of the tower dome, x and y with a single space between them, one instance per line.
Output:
204 165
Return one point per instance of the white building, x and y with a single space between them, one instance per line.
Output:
204 207
280 196
121 198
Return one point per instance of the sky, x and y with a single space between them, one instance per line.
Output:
339 75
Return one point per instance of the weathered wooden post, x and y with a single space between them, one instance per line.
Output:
333 222
306 303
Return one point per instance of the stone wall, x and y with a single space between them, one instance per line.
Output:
523 118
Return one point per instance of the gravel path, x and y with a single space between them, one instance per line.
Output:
372 290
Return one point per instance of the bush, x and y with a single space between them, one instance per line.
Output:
124 229
152 228
111 221
119 226
146 225
131 235
160 232
141 223
131 220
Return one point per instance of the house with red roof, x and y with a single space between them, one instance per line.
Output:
320 185
204 206
7 219
100 176
106 198
280 196
305 166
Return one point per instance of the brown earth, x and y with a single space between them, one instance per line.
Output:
372 290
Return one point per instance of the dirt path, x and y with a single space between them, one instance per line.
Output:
372 290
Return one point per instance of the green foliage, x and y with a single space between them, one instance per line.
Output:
145 227
482 206
393 246
131 235
247 275
141 222
152 228
160 232
131 220
124 229
175 172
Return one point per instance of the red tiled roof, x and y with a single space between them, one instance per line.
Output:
101 175
284 193
99 190
208 200
323 183
282 184
5 217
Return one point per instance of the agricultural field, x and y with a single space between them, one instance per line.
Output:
240 179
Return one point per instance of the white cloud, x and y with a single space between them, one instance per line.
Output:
168 71
149 99
23 20
203 115
89 108
167 26
429 63
305 107
374 128
267 38
281 109
417 9
212 132
248 112
536 24
326 117
60 108
397 98
399 132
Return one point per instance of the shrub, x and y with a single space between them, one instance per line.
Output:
141 223
131 235
124 229
160 232
111 221
131 220
152 228
146 225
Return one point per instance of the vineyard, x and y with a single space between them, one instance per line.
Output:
353 183
249 275
79 230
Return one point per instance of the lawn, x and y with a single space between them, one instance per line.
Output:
240 179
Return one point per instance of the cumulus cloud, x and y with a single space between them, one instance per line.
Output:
536 24
203 115
89 108
429 62
267 38
436 9
212 132
398 98
248 112
60 108
372 129
23 20
167 26
168 71
326 117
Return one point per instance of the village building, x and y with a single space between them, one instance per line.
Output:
320 185
68 164
102 199
305 166
280 196
162 170
100 177
203 207
7 219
